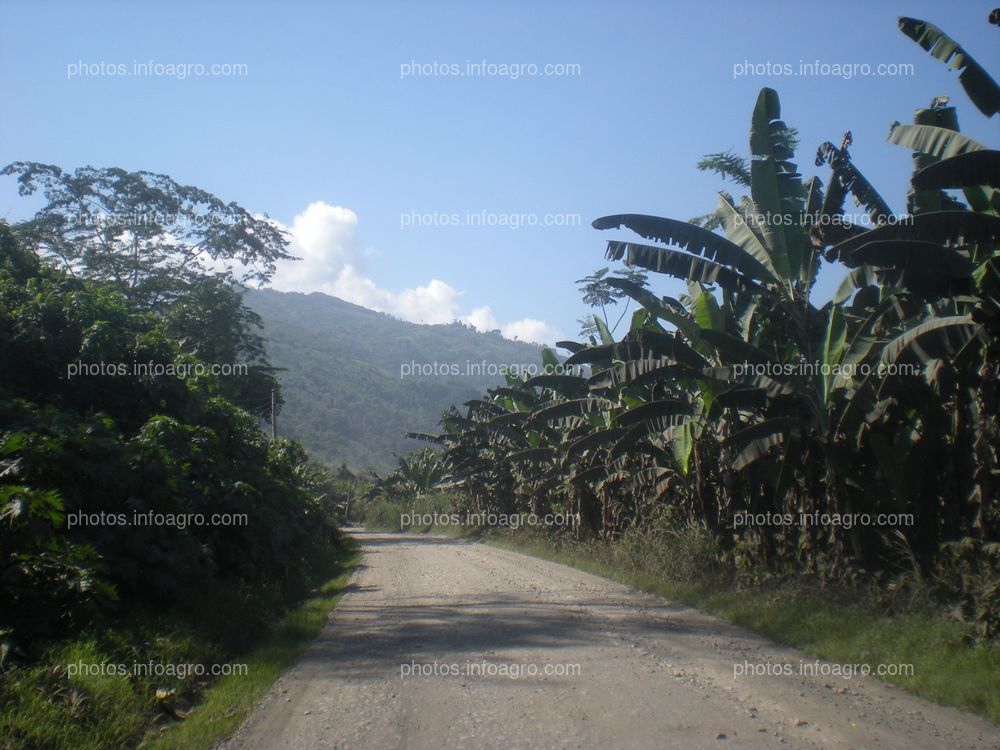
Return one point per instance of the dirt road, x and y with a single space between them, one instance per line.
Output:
441 643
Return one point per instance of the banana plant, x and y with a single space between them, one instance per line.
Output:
742 393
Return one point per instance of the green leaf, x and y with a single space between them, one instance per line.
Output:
923 268
734 350
707 313
426 437
682 445
775 186
549 359
832 349
602 329
747 236
858 278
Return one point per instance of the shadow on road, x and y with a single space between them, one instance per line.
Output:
374 632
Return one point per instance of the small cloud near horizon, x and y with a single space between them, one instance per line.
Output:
324 238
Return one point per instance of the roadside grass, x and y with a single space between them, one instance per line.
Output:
456 531
227 702
389 515
837 626
76 698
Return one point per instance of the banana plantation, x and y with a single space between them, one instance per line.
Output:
748 397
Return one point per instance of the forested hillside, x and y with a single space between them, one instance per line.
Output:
345 398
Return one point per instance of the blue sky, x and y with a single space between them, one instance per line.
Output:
332 132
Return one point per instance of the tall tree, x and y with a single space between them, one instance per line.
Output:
161 245
143 232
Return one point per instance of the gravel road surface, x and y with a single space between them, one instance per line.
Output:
446 643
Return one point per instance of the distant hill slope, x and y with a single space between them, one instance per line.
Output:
344 398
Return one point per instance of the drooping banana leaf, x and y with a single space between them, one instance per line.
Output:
566 385
573 408
679 265
645 297
532 454
747 235
978 84
847 178
571 346
596 439
640 344
952 227
689 237
929 139
427 437
754 442
936 338
641 372
734 350
669 407
973 168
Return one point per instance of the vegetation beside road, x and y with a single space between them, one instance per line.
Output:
846 443
62 702
147 523
837 624
845 625
746 398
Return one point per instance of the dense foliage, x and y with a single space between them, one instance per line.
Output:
87 456
744 396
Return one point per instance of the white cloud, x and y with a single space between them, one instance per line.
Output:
434 303
323 236
482 319
526 329
529 329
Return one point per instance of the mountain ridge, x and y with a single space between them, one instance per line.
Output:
355 380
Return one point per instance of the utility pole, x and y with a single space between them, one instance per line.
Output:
274 418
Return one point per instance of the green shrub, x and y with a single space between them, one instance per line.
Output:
382 515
